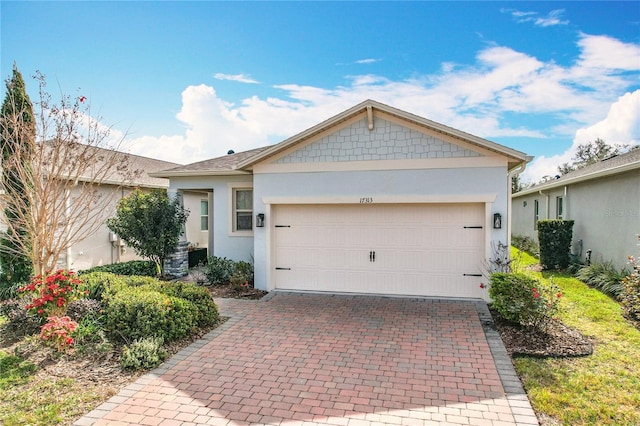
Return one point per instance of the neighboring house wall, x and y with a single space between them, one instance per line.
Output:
98 249
222 242
606 212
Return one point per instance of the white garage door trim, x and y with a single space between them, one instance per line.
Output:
270 202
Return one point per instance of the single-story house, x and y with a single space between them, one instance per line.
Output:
103 246
603 199
373 200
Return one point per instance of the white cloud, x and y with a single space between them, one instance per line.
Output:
240 78
476 98
621 126
552 18
367 61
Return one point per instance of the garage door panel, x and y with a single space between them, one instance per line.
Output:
419 249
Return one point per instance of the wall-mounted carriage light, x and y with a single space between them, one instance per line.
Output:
497 221
260 220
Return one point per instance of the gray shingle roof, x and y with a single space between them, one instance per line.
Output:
225 163
607 166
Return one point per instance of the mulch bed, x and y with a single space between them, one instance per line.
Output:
225 291
557 341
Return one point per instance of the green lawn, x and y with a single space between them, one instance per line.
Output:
600 389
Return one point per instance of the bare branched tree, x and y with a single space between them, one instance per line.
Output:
71 176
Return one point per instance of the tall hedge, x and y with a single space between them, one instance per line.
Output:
554 237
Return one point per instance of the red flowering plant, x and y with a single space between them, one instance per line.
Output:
524 300
52 292
57 332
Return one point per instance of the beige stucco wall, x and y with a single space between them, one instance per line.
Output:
194 235
606 212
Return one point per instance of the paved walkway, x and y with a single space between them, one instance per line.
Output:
339 360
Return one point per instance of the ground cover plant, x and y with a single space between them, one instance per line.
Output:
603 388
47 379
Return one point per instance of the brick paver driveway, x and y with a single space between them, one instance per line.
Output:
323 359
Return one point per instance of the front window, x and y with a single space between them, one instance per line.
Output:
536 214
242 210
204 215
560 208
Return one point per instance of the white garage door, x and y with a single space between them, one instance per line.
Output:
407 249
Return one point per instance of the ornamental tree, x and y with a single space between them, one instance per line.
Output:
67 177
151 223
17 144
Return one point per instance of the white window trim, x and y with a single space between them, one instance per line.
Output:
207 215
560 202
234 186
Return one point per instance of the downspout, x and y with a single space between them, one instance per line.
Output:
513 172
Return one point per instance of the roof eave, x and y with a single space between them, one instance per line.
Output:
569 180
191 173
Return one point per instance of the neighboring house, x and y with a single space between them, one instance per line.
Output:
604 201
374 200
104 247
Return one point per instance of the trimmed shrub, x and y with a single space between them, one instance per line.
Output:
100 284
630 294
135 267
524 300
138 312
555 243
201 299
219 270
143 354
603 276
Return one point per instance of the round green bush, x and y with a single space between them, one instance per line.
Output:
137 312
523 300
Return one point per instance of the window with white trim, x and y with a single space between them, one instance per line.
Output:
242 210
560 208
204 215
536 214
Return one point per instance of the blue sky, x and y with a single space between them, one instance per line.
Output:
186 81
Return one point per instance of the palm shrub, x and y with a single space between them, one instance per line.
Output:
603 276
524 300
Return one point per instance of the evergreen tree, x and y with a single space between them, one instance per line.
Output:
18 133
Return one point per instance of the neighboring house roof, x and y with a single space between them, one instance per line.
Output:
609 166
242 162
215 166
142 166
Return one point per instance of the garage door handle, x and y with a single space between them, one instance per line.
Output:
372 256
472 275
283 269
473 227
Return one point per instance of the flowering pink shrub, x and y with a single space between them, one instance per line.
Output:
523 299
57 332
52 292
